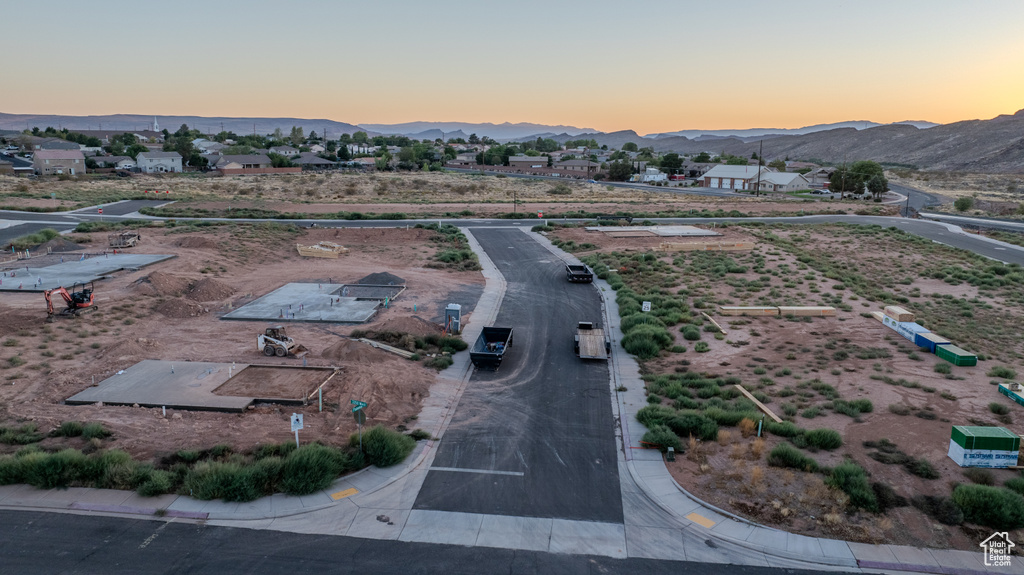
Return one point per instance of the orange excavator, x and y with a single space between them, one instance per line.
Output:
77 300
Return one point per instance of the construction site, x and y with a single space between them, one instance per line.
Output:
138 341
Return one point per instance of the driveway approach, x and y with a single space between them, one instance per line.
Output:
534 438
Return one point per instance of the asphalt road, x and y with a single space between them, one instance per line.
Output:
544 418
124 208
46 543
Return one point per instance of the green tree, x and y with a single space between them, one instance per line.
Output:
360 138
778 165
671 161
629 147
619 171
702 158
878 185
473 139
343 153
296 137
964 203
736 161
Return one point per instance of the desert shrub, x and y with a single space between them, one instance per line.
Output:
980 476
384 447
899 409
52 470
645 341
11 470
785 455
942 509
23 435
701 347
313 467
68 429
887 497
943 368
784 429
686 424
1016 484
214 480
998 408
662 437
690 332
964 203
653 398
94 430
633 320
824 438
158 483
853 480
439 362
993 507
653 415
188 455
418 434
1002 372
922 468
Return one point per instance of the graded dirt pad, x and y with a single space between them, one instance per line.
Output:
44 363
58 245
274 382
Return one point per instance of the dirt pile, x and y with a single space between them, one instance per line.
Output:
381 279
413 325
349 351
209 289
133 349
196 242
180 308
162 284
60 244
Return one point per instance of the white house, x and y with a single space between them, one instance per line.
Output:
158 162
317 149
286 151
734 177
783 182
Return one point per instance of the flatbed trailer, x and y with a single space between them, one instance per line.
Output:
591 342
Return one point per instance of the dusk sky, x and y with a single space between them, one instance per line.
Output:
651 66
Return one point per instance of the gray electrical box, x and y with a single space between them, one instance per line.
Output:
453 318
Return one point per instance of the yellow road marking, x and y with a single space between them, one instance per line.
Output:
350 492
701 520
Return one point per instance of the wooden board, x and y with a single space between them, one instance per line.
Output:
760 405
743 310
812 311
592 344
899 314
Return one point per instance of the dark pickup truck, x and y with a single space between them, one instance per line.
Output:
491 346
580 273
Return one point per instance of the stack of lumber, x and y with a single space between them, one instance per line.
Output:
706 246
321 250
878 315
811 310
741 310
899 314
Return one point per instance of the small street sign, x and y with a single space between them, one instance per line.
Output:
358 404
646 306
359 416
296 421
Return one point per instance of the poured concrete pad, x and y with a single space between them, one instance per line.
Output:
663 231
310 303
74 269
179 385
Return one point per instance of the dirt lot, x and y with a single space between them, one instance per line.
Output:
436 194
275 382
801 367
170 311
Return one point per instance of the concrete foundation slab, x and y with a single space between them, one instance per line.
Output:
178 385
663 231
84 268
308 302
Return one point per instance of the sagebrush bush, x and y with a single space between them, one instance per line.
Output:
158 483
311 468
633 320
1016 484
785 455
661 437
940 508
686 424
1003 372
645 341
784 429
68 429
853 480
384 447
994 507
94 430
690 332
922 468
23 435
824 438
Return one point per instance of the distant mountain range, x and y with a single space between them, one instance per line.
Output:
761 132
208 125
500 132
995 145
